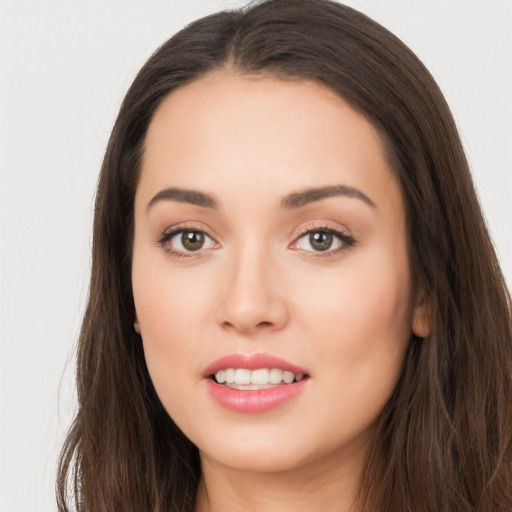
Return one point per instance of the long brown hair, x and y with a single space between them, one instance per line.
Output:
444 439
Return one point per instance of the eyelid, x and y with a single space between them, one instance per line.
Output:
321 225
187 226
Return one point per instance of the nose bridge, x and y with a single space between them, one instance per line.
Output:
252 299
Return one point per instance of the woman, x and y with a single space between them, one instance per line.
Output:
294 301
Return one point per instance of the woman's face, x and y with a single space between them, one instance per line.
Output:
268 224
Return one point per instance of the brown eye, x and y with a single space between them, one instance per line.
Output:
192 240
320 240
327 240
186 241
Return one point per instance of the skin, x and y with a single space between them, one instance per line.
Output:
258 287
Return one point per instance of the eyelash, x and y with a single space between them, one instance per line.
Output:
169 235
347 241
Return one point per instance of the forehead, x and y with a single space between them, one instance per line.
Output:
226 132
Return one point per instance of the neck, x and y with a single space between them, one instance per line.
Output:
326 487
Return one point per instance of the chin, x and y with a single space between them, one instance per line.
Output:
262 449
264 461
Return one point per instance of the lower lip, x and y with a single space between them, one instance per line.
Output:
254 401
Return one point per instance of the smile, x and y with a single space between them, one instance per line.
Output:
262 378
255 383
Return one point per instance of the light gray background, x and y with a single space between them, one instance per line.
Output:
64 68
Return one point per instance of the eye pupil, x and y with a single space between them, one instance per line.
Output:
320 240
192 240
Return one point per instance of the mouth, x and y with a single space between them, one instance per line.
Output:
255 383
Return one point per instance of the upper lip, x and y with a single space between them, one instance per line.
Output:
252 362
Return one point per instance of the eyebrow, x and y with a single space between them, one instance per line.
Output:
311 195
182 195
295 200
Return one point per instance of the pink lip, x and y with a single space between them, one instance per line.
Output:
251 362
253 401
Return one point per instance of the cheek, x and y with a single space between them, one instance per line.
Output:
359 321
172 310
170 303
168 321
168 297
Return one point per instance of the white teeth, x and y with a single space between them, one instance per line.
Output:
260 376
276 376
241 378
288 377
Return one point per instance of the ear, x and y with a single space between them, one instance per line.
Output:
136 324
422 315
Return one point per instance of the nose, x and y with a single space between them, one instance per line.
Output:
252 298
